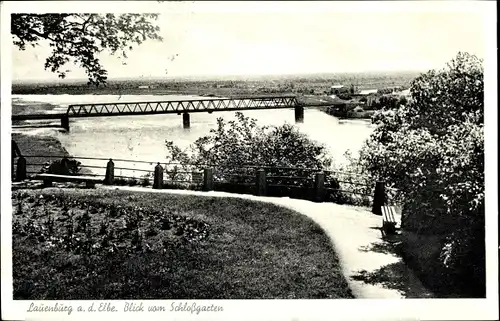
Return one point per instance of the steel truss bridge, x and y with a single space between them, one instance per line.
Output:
184 107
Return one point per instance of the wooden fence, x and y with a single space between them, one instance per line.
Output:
297 182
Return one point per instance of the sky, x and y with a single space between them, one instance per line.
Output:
203 39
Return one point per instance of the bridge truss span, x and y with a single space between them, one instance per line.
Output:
181 106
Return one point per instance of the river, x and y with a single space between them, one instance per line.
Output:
142 137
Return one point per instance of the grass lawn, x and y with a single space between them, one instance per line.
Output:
83 244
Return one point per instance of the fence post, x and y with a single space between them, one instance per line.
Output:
158 179
299 114
319 184
110 173
21 169
208 179
65 166
378 198
260 182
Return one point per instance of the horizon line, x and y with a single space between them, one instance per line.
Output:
215 76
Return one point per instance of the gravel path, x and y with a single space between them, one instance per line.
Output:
370 264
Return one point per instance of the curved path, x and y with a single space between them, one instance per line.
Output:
369 263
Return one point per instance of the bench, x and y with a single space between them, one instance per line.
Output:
388 219
49 178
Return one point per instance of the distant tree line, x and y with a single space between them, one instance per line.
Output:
389 102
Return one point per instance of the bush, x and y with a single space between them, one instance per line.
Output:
388 102
63 166
126 181
432 152
237 146
344 96
145 181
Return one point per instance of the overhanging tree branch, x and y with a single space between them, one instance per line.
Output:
80 42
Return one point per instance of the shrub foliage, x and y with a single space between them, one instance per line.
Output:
432 152
236 148
63 166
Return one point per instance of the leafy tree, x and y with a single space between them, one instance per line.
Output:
79 38
237 147
352 90
387 102
242 142
403 101
432 152
384 91
344 96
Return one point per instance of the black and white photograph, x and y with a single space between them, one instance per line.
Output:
249 160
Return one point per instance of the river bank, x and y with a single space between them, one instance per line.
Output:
46 149
35 144
39 145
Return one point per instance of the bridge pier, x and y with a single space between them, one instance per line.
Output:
65 122
185 121
299 114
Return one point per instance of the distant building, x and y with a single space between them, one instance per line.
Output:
405 93
369 96
366 92
338 89
143 87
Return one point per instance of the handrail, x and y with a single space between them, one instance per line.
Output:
92 158
281 181
290 177
351 192
133 169
239 166
353 183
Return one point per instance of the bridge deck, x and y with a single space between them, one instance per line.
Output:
170 107
181 106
